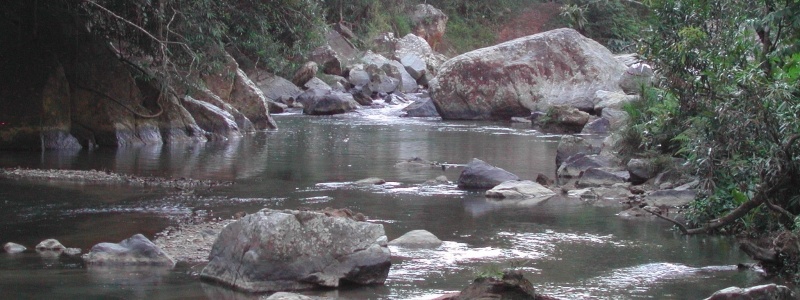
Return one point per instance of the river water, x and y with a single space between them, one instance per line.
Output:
567 247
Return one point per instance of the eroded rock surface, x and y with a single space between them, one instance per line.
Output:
558 67
275 250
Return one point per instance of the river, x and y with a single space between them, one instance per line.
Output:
568 248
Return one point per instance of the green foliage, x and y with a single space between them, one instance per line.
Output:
187 34
614 23
728 101
464 35
496 270
654 129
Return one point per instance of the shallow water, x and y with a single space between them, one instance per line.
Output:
567 247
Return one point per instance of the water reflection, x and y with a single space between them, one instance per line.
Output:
569 248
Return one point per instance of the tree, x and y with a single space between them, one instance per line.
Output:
732 72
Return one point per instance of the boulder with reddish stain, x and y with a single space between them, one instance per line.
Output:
429 23
558 67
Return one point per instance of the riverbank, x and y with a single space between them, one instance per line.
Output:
106 178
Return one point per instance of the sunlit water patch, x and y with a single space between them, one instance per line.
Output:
420 264
393 188
641 278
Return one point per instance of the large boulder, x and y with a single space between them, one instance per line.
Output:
616 100
275 250
596 126
277 88
248 99
761 292
134 251
570 145
558 67
481 175
417 239
429 23
519 189
335 54
412 44
421 108
575 165
331 104
212 119
635 77
641 170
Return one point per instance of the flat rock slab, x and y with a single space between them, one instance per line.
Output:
672 198
519 189
596 177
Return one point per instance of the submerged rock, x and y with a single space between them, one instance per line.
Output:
481 175
765 292
50 245
14 248
134 251
370 181
416 163
513 285
275 250
417 239
289 296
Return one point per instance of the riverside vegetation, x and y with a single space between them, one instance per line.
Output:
726 98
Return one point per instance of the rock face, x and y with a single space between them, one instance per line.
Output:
767 291
429 23
68 97
480 175
134 251
417 239
519 190
292 250
558 67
